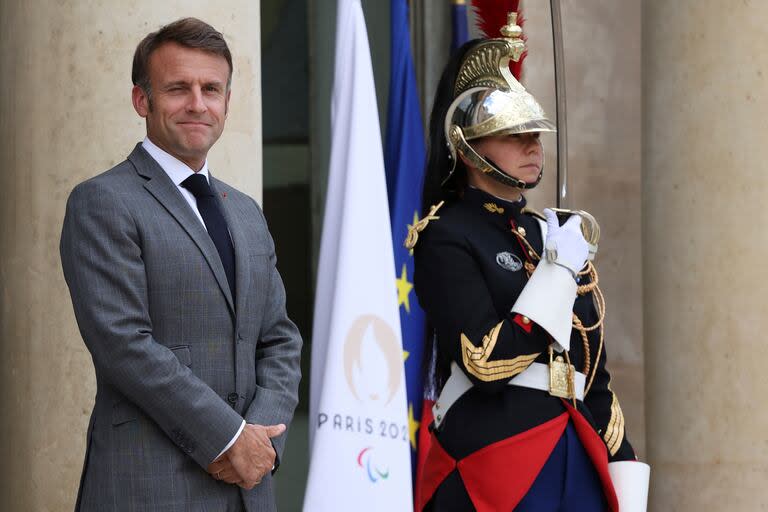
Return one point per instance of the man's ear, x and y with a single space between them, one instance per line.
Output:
226 101
140 101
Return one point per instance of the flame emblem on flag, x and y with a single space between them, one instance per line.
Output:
372 360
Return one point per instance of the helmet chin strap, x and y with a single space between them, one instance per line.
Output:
486 166
506 179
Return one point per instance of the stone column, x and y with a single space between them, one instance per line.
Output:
704 242
66 115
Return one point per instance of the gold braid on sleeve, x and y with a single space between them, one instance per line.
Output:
614 432
476 362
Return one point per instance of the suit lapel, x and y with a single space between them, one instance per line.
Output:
159 184
239 240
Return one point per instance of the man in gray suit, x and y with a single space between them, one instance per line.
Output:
174 286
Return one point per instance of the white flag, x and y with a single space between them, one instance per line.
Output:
359 438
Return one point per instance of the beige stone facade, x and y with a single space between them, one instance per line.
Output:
705 285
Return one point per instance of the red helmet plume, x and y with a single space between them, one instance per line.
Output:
491 16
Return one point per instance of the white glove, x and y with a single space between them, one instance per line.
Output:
565 245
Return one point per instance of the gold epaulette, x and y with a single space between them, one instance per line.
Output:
419 226
535 213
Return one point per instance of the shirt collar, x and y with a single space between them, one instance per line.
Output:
177 170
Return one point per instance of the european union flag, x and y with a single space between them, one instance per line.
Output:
404 155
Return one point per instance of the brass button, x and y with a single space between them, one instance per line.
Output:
530 253
526 320
521 230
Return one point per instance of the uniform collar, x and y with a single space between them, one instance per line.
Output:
177 170
496 207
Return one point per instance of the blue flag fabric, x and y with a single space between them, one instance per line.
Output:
404 155
459 24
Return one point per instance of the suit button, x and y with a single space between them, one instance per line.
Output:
232 398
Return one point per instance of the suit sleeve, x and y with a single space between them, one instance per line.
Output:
604 406
278 355
490 346
101 257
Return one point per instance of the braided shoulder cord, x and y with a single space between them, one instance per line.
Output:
599 301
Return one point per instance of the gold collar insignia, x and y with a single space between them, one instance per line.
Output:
493 208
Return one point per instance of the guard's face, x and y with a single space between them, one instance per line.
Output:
189 102
520 155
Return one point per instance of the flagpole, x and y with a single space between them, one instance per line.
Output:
563 181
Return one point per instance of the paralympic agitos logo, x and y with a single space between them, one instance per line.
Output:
365 461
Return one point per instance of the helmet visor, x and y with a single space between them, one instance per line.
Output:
481 112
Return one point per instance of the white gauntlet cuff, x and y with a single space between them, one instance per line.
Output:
548 300
630 481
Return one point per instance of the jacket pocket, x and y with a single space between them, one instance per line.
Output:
125 410
183 354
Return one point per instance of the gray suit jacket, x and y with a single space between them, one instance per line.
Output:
178 363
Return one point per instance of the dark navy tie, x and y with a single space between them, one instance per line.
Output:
215 222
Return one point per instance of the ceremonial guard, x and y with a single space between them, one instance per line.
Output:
525 418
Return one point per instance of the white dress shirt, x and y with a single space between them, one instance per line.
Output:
178 171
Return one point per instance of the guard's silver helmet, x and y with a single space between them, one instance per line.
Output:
490 101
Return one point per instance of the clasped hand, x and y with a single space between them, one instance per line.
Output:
565 245
249 459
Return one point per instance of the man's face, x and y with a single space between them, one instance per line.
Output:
189 103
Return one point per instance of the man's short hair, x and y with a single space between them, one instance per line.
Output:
187 32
